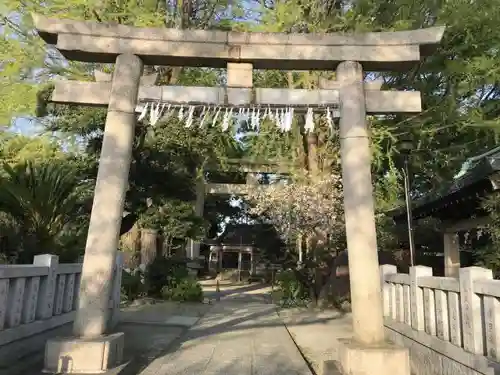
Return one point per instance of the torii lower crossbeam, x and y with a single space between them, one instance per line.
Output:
377 101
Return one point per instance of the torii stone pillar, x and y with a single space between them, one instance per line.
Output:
109 199
366 297
91 350
367 353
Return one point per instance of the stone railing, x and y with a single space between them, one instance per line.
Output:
450 325
42 296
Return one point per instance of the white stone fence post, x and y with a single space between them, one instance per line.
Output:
464 312
44 295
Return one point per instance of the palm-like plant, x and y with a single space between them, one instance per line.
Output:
43 199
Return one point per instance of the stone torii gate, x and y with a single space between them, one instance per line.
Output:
92 349
203 189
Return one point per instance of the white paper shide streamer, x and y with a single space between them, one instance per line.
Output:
309 125
206 115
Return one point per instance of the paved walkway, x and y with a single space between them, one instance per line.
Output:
164 314
317 333
238 336
236 292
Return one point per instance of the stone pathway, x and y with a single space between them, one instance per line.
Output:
236 292
317 332
236 337
240 335
164 313
150 330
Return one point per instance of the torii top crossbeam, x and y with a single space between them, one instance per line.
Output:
102 43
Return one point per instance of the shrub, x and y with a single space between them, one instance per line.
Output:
132 284
186 290
291 292
164 272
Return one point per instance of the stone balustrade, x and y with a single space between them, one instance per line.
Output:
42 296
449 324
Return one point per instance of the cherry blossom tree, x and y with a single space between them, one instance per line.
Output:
309 215
310 210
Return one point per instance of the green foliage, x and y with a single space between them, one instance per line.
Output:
164 272
132 285
4 259
458 83
166 162
175 218
42 199
488 256
168 278
27 63
387 234
290 291
10 238
20 53
183 290
17 148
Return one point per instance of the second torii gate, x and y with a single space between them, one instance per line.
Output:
130 48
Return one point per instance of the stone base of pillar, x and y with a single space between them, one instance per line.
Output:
357 359
71 355
330 367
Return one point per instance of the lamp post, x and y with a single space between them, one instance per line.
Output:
405 148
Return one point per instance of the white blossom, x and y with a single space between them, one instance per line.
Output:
298 208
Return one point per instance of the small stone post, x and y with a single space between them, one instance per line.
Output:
366 296
240 260
252 264
472 314
417 297
385 270
4 297
109 197
46 297
451 254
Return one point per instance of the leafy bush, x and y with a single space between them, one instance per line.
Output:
185 290
488 257
45 200
290 291
164 273
132 285
168 278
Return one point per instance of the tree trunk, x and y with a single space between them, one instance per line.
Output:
164 249
336 287
130 241
131 245
183 11
300 250
149 248
312 156
313 296
298 131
